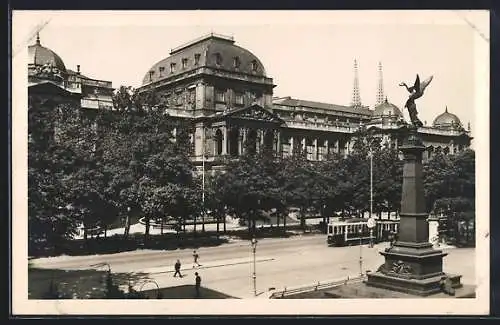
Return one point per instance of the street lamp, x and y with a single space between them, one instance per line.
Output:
254 276
360 250
370 154
203 179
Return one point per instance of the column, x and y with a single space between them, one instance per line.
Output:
240 141
224 140
276 142
337 147
326 152
315 152
291 145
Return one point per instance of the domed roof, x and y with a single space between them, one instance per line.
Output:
387 109
213 51
39 56
446 119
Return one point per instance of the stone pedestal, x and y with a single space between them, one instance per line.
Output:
412 265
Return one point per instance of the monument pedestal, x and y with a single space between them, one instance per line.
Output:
412 265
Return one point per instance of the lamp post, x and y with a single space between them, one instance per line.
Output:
254 275
360 251
203 179
370 154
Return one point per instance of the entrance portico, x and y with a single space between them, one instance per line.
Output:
233 133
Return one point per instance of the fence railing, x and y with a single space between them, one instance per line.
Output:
287 291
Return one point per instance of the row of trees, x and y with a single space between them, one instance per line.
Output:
95 168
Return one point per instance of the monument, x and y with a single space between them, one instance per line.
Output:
412 266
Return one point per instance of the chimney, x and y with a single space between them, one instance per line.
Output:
77 69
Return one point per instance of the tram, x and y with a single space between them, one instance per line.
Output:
355 231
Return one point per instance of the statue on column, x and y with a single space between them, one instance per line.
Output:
416 91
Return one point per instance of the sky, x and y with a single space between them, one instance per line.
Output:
309 55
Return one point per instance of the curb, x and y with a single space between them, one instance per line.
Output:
209 266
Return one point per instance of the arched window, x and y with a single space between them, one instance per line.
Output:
218 58
268 140
251 142
218 142
233 141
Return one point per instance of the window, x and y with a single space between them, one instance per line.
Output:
236 62
161 70
254 66
220 96
172 67
218 58
238 98
184 63
197 59
151 73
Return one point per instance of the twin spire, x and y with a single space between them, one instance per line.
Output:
356 96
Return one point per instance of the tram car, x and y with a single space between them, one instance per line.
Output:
355 231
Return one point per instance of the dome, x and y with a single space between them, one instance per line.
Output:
387 109
39 56
446 119
212 51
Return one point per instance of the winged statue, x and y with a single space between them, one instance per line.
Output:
416 91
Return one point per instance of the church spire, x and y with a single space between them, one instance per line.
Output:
380 86
356 98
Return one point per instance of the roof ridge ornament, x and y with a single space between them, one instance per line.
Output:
38 38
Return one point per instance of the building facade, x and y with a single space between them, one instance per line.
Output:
50 80
223 90
220 92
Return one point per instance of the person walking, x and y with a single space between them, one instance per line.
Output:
195 259
178 269
198 284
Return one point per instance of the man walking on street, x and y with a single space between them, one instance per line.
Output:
178 269
198 284
195 259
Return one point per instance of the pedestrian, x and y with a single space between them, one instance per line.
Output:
198 284
178 269
195 259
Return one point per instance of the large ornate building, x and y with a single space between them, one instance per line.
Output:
50 81
221 92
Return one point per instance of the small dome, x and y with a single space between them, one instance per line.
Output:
40 56
446 120
387 109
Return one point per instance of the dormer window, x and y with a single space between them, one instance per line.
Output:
236 62
184 63
197 58
172 67
254 66
161 69
151 73
218 58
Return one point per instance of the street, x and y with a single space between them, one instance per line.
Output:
280 263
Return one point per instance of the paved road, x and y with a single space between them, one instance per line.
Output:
279 263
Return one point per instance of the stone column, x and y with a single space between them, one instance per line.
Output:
241 139
291 145
326 152
224 140
337 146
276 141
315 152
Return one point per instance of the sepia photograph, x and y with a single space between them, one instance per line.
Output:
250 162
